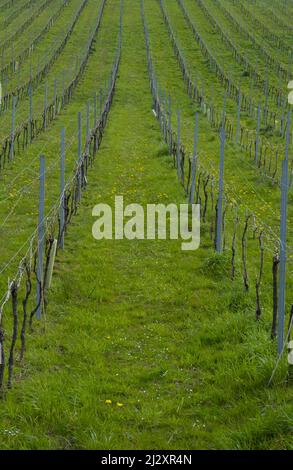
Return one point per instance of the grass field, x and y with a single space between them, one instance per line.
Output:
143 345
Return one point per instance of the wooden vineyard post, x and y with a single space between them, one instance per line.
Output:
101 101
165 116
219 246
40 238
238 117
266 97
55 97
62 188
178 146
283 240
6 85
170 123
45 106
95 109
224 111
193 166
257 136
12 54
87 125
79 130
31 102
12 128
250 95
79 136
63 87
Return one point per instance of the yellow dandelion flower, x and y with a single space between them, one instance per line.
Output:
108 402
119 404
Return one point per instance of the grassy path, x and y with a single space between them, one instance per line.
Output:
141 323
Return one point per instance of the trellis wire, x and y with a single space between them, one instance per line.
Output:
22 28
15 63
69 202
268 154
17 13
246 103
240 29
23 90
242 60
30 129
249 216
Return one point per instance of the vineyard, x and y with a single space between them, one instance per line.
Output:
134 343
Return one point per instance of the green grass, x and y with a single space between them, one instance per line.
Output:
32 31
140 323
18 19
64 67
244 181
261 13
22 211
206 78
